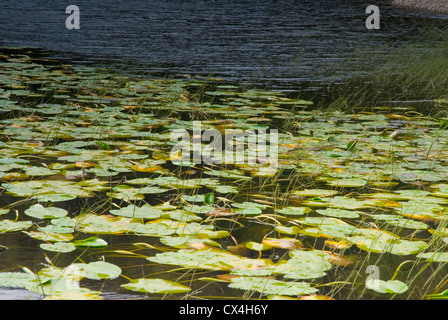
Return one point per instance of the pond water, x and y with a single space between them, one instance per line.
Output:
57 119
283 43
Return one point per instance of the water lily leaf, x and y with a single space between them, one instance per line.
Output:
102 224
17 279
355 182
305 264
208 260
155 286
287 230
248 208
391 286
327 227
257 246
180 215
58 247
434 256
98 270
155 228
224 188
209 198
283 243
294 211
194 198
10 226
199 209
401 221
339 213
185 241
90 242
54 197
222 212
39 171
40 212
315 193
132 211
75 296
380 241
49 236
230 174
271 286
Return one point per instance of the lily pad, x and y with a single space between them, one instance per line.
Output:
92 242
270 286
40 212
155 286
58 247
98 270
391 286
294 211
10 226
132 211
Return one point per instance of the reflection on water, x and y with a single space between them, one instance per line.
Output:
281 41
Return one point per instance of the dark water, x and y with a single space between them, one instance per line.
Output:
276 42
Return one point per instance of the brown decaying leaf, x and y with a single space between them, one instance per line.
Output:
221 212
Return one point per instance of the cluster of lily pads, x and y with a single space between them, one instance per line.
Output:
86 153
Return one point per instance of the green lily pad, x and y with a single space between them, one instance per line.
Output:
10 226
58 247
155 286
315 193
98 270
92 242
350 183
40 212
257 246
391 286
248 208
339 213
294 211
271 286
132 211
434 256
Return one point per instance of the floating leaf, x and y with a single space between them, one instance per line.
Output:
90 242
155 286
294 211
434 256
248 208
339 213
287 230
98 270
40 212
10 226
271 286
49 236
283 243
132 211
209 198
58 247
315 193
351 183
257 246
391 286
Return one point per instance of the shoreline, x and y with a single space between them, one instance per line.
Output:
436 6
